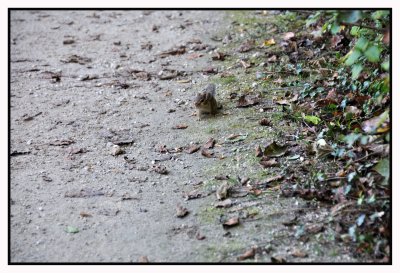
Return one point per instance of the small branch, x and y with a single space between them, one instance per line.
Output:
364 157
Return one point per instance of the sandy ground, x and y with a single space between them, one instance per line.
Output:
84 81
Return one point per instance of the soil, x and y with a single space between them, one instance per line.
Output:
84 81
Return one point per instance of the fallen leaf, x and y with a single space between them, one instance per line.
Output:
207 153
335 40
181 211
116 150
75 150
315 228
246 102
192 149
274 150
71 229
221 177
274 178
245 64
160 169
192 195
288 36
174 51
180 126
383 168
371 126
210 70
68 41
147 46
143 259
209 144
77 59
386 36
184 81
354 110
264 122
259 152
278 260
298 253
168 74
85 214
249 254
283 102
231 222
194 56
246 46
269 42
224 204
272 59
256 192
83 193
199 236
219 56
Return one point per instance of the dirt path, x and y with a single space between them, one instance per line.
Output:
83 81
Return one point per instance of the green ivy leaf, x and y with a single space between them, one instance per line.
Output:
373 54
350 16
312 119
353 57
385 65
335 28
361 44
354 31
383 168
71 229
356 70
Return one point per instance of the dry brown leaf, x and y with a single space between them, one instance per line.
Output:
207 153
245 64
278 260
85 214
256 192
249 254
192 149
180 126
209 144
272 59
231 222
210 70
143 259
264 122
219 56
246 46
181 211
298 253
221 177
174 51
192 195
224 204
246 102
259 152
194 56
160 169
200 236
288 36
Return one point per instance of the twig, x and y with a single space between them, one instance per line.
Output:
366 156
